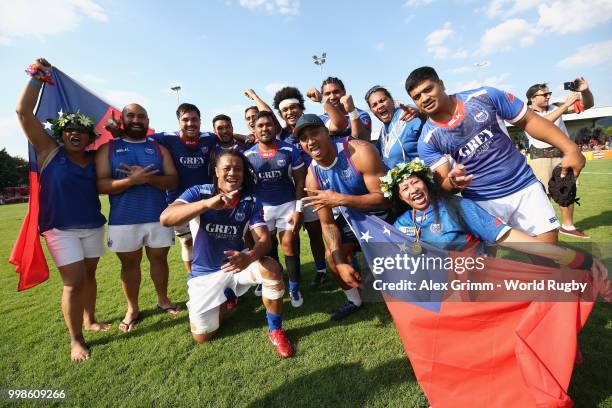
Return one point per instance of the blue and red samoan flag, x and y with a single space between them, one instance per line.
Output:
65 96
474 353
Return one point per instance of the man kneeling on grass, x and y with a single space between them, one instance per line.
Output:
220 212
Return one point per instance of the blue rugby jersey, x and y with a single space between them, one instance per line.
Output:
476 137
364 117
446 232
142 203
219 230
274 172
397 141
192 163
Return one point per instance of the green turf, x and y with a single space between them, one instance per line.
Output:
359 362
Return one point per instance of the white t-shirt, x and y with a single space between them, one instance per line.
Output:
559 122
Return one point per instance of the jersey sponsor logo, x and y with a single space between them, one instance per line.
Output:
408 230
191 162
149 150
435 228
477 144
122 150
347 174
552 220
456 118
222 229
481 117
267 175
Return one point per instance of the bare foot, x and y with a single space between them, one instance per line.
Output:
78 349
96 327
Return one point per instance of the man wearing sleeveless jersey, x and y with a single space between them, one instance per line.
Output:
342 173
135 172
190 150
289 103
341 116
469 126
220 213
280 187
397 140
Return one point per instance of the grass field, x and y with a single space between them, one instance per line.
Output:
359 362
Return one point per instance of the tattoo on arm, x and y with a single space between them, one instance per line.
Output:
334 242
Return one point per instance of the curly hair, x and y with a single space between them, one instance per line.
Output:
288 92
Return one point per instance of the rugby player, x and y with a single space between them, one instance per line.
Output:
469 127
135 171
221 211
341 116
280 187
342 173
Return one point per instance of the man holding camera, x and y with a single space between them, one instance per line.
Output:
544 157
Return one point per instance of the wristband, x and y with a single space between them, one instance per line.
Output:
576 260
36 84
353 115
298 205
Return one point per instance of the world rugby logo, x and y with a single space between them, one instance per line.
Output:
481 117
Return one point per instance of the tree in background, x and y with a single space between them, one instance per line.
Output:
13 170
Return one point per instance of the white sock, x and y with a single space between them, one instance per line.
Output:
568 227
353 296
322 270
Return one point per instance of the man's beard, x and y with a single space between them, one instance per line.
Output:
136 133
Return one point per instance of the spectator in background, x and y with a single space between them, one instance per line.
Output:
545 157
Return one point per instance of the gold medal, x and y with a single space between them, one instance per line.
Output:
417 248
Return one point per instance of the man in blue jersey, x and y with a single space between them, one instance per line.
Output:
343 173
397 140
289 103
190 150
220 213
469 126
135 171
280 187
341 116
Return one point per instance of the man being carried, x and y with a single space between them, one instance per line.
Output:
135 172
343 173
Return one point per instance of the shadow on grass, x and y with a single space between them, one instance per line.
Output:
343 385
603 219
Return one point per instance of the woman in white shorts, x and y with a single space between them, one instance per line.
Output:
70 218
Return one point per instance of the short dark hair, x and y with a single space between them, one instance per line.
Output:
288 92
221 117
419 75
186 107
533 89
249 180
264 114
376 88
333 80
249 108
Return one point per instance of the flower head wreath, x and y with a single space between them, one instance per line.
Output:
60 124
402 171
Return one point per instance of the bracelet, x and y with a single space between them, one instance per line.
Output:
36 84
298 205
353 115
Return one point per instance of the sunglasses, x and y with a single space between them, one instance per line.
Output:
546 95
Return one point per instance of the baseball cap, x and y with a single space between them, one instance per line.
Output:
307 120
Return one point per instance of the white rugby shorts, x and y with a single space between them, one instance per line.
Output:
74 245
129 238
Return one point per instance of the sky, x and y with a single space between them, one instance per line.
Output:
135 51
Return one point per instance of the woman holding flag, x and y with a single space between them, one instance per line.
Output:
70 218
